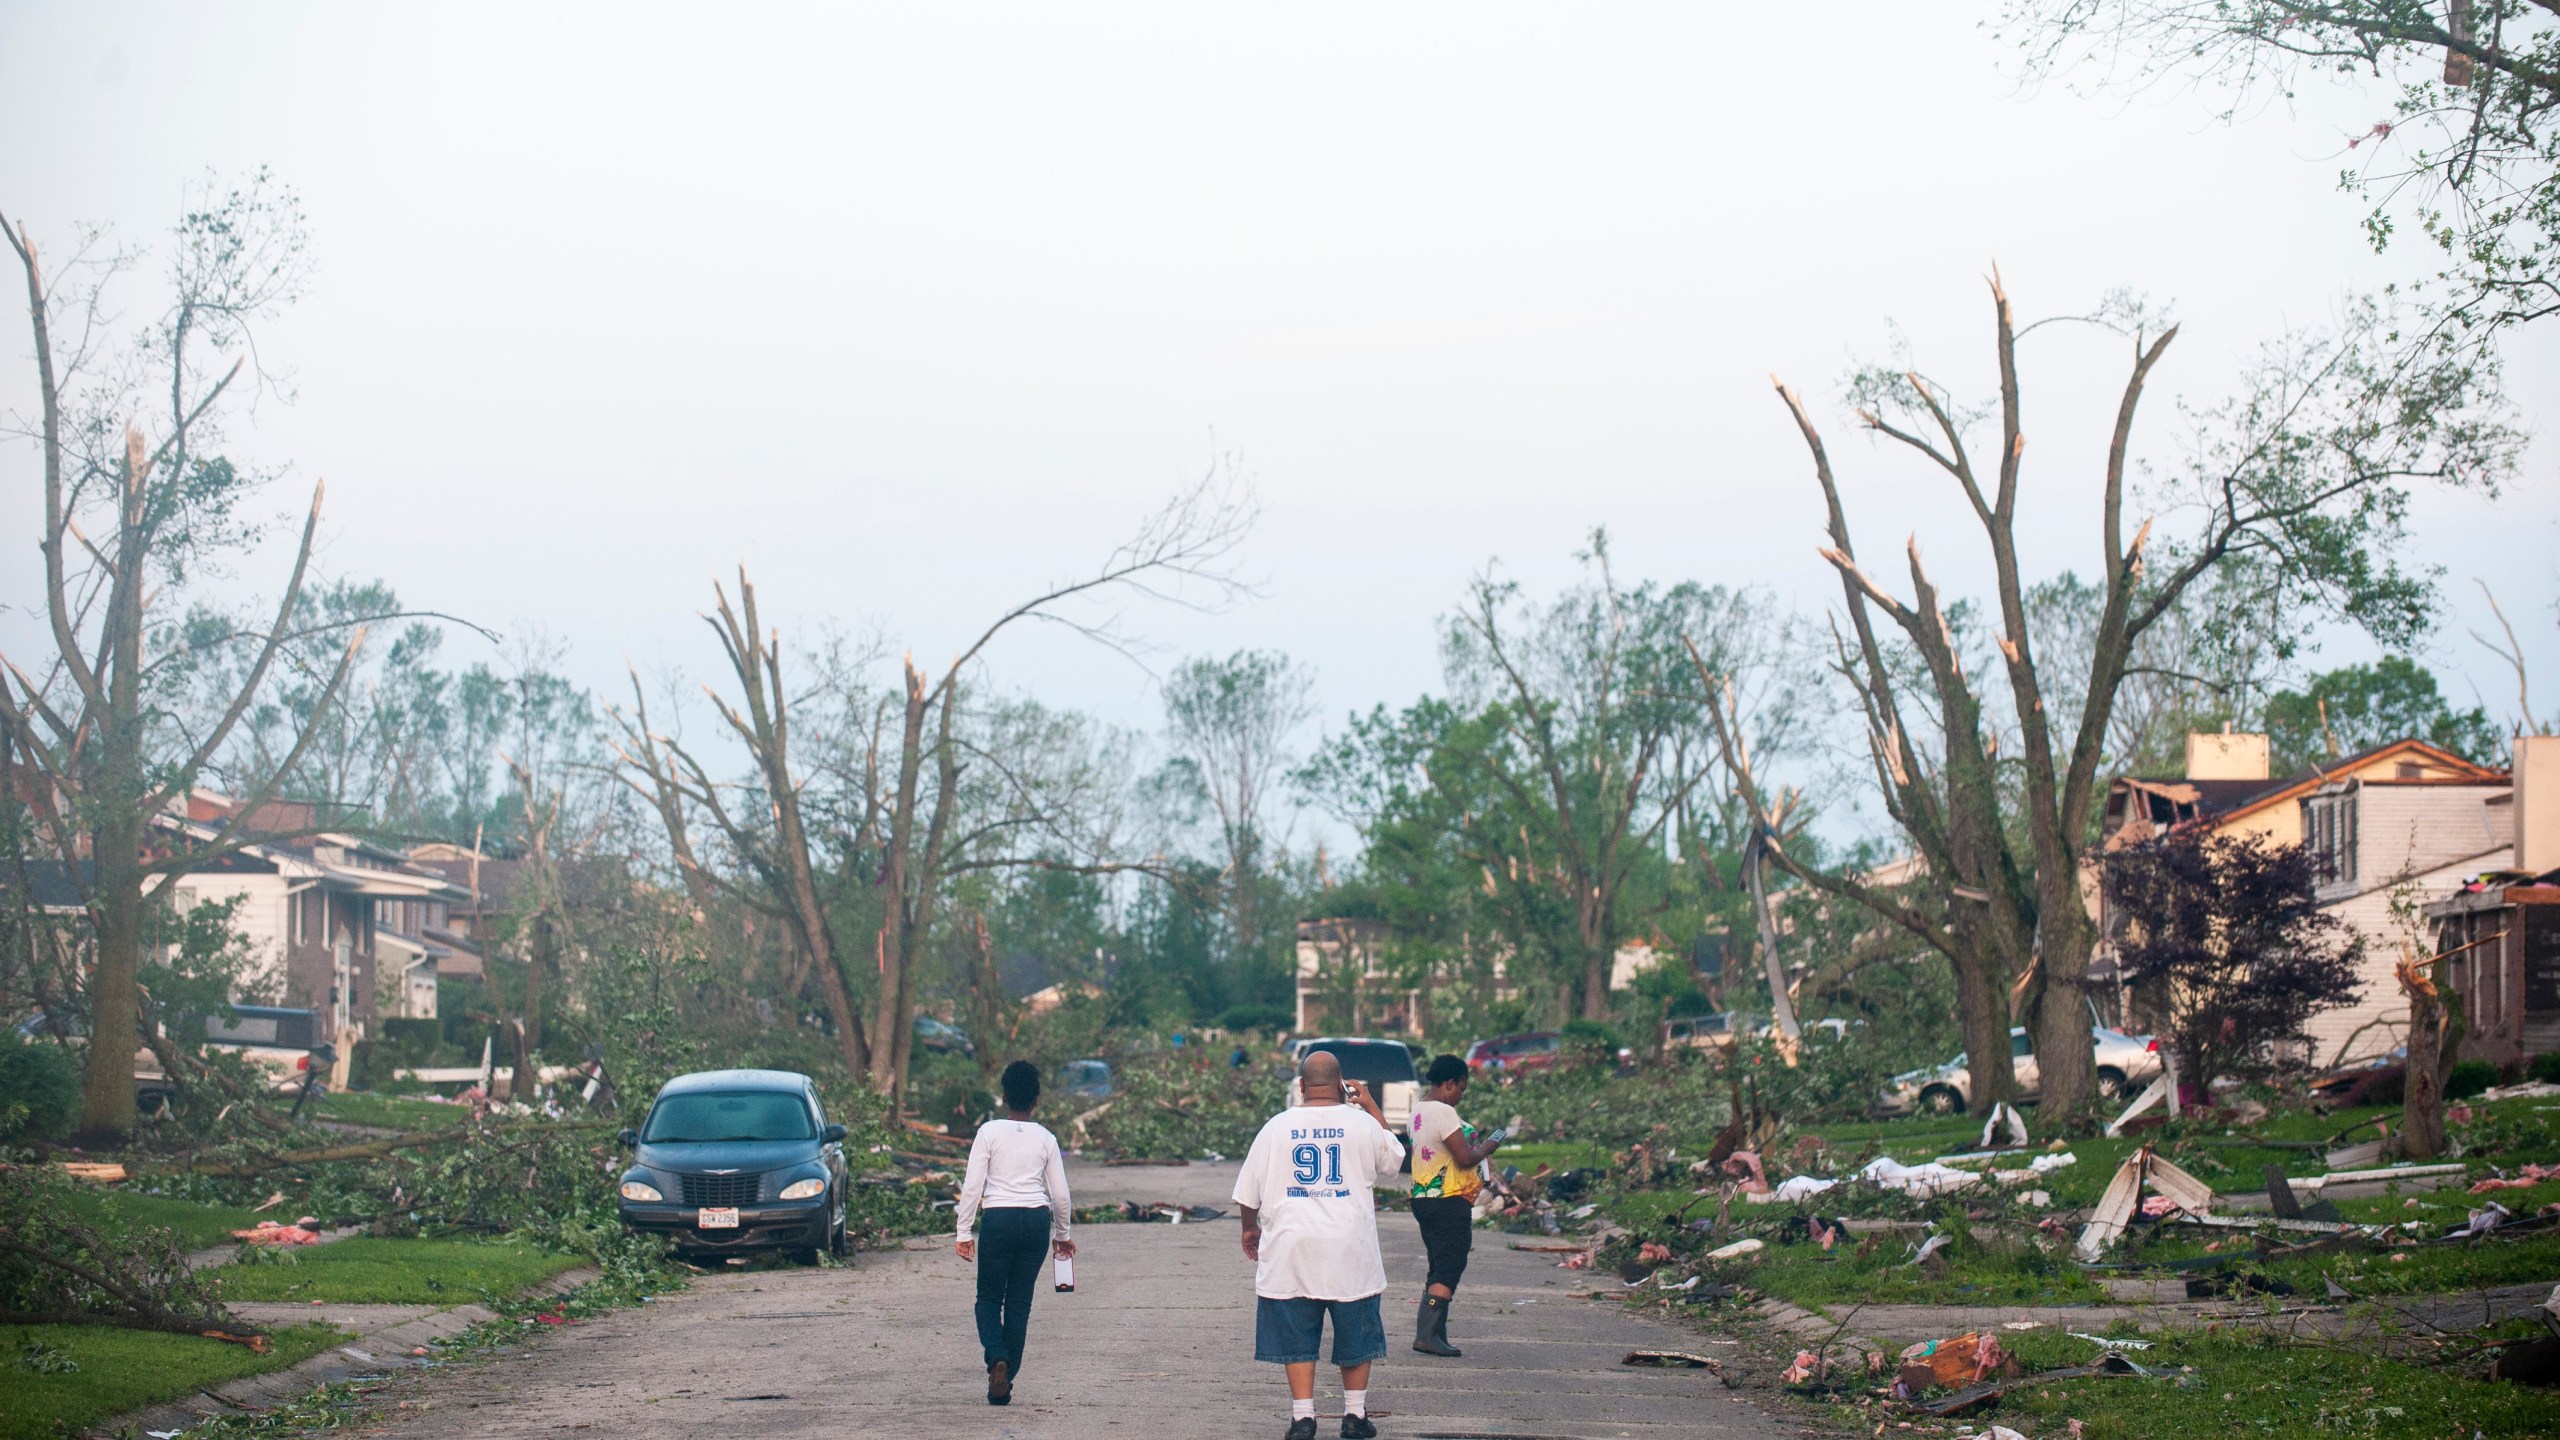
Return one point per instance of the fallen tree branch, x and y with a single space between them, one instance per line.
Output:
369 1150
138 1312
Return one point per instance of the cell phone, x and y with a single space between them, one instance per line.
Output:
1498 1137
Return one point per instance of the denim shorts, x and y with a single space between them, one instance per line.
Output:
1289 1332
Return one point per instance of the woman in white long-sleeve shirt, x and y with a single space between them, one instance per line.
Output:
1017 1192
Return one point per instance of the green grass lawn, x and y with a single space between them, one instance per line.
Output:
1556 1157
2245 1385
410 1272
390 1112
197 1226
122 1370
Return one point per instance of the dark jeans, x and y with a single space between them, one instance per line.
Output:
1448 1233
1011 1245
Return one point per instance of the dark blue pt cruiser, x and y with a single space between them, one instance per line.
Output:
732 1161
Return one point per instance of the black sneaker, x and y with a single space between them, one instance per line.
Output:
1303 1429
1357 1427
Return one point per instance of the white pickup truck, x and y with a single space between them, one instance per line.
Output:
282 1043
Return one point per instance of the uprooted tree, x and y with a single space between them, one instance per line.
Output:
2299 484
96 744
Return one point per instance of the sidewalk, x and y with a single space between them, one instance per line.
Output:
383 1337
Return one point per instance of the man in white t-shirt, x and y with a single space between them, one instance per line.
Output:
1308 1191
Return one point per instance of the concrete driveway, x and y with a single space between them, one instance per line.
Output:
1157 1340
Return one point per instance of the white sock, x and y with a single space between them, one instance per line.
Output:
1355 1402
1302 1409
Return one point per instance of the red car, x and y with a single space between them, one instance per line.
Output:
1535 1050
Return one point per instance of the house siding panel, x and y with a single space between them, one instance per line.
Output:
260 919
2423 827
2378 1020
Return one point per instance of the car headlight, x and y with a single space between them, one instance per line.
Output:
640 1190
803 1189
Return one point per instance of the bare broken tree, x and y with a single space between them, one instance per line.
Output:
2302 474
103 755
909 824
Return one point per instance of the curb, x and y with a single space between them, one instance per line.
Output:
379 1353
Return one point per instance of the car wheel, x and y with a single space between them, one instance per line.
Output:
2113 1085
838 1243
1941 1100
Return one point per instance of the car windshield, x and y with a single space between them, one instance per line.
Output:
1370 1062
729 1115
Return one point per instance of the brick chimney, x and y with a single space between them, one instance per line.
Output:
2537 790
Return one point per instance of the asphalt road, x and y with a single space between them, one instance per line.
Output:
1157 1340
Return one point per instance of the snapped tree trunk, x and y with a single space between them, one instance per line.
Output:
2435 1041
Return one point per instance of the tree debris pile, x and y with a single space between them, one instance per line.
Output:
57 1269
1178 1105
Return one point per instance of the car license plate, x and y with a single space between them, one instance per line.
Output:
721 1219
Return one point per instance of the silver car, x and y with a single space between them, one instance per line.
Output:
2126 1063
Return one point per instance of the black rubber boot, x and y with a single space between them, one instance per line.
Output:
1431 1328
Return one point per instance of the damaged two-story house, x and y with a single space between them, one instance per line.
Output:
2395 828
333 923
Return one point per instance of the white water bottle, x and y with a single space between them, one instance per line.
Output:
1066 1269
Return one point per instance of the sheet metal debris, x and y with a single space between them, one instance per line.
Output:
2184 1193
2003 1111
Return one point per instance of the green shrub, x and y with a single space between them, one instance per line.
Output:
2545 1068
948 1090
39 1090
2469 1078
1178 1105
1582 1034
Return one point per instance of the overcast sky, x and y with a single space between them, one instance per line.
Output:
911 309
